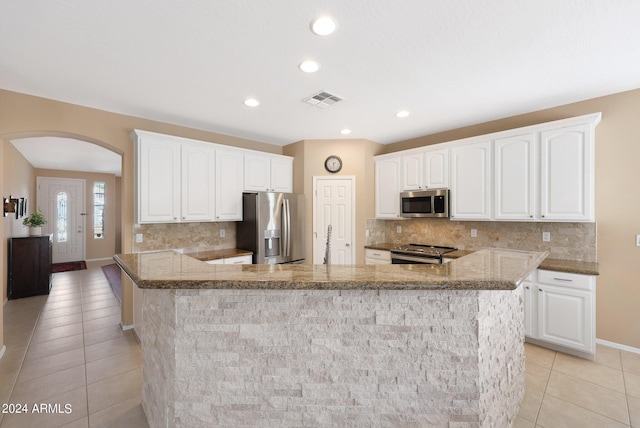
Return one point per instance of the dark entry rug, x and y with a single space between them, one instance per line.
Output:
69 266
112 272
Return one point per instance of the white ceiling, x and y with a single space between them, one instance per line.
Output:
451 63
68 154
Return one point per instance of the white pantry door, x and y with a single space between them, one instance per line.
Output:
61 200
333 205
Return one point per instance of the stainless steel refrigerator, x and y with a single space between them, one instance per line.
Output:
272 227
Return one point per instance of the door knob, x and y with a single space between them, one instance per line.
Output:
347 244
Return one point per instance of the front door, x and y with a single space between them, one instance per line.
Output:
61 200
333 205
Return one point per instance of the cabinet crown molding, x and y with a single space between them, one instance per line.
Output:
138 133
592 119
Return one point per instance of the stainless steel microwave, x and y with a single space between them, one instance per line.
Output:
424 203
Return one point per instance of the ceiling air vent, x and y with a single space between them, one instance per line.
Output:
322 99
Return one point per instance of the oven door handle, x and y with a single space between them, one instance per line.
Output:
423 260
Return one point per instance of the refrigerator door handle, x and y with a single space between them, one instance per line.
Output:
288 228
285 229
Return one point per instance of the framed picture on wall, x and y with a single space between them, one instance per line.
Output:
23 207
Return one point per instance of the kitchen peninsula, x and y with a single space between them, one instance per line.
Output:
362 345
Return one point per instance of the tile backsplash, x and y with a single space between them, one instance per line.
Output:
569 241
189 236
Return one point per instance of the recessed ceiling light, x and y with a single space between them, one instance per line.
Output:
251 102
309 66
402 113
323 26
345 131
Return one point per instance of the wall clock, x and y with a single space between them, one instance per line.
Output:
333 164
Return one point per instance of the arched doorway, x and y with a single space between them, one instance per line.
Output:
71 156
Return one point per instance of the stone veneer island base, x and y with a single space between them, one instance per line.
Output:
425 355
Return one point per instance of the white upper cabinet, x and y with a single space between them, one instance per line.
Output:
257 173
540 172
471 181
514 168
197 183
180 180
282 174
228 185
268 173
436 167
425 170
175 180
157 180
566 174
413 171
387 187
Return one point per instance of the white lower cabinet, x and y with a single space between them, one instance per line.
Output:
529 289
559 309
377 257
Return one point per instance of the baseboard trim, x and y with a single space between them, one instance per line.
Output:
618 346
126 327
562 349
2 351
99 260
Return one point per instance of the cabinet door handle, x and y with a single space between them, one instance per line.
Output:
540 290
527 287
563 279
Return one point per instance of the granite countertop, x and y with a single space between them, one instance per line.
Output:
457 254
488 269
384 246
570 266
205 255
557 265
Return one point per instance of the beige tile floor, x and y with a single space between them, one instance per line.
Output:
565 391
76 355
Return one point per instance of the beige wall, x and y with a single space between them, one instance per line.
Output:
3 263
617 202
95 248
27 116
19 181
357 157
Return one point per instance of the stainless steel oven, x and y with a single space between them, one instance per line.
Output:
419 254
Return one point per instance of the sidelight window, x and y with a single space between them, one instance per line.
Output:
98 210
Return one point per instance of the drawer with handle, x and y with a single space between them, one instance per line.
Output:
378 254
572 280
